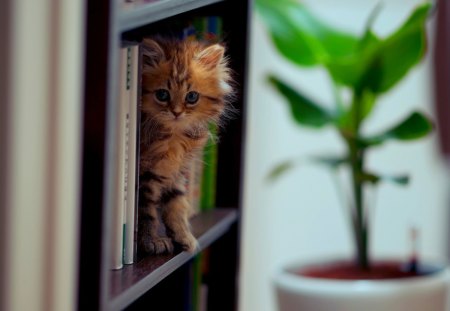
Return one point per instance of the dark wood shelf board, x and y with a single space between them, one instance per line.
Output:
143 14
132 281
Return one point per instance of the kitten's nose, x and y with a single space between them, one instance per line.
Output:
176 113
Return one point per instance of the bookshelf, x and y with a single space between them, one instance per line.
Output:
154 282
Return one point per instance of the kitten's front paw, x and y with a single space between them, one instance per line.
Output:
188 243
156 246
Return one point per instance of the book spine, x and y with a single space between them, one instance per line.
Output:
197 176
212 33
129 252
126 103
118 214
208 188
196 282
138 151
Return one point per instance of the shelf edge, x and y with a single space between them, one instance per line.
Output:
128 296
141 15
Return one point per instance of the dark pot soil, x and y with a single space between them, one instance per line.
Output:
380 270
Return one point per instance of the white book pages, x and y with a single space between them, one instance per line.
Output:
118 214
132 150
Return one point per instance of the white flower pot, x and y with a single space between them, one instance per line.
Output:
422 293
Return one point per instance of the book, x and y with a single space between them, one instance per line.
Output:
211 32
132 153
208 186
117 241
123 249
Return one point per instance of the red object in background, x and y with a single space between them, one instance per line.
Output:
346 270
442 75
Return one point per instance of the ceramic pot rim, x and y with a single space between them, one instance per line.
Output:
287 280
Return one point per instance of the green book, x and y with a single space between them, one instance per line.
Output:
211 31
208 189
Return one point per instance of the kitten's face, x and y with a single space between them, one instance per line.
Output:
184 83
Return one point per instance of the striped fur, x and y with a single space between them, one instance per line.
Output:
173 130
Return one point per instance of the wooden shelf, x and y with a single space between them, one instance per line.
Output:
142 14
134 280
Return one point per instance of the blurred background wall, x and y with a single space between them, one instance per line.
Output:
299 218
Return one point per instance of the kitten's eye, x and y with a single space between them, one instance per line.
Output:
162 95
192 97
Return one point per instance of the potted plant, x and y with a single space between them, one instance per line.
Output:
367 67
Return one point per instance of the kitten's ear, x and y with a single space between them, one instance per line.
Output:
211 56
152 52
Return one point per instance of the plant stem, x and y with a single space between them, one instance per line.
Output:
357 165
337 97
360 225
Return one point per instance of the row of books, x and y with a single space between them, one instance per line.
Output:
201 177
207 29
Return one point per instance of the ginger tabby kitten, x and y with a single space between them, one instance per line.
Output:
186 85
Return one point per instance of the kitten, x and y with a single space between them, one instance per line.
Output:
186 85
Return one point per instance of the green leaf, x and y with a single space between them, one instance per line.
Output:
369 177
401 180
304 110
281 169
332 162
372 178
415 126
379 64
365 63
397 54
349 70
300 36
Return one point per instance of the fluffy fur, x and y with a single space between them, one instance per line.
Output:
186 85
